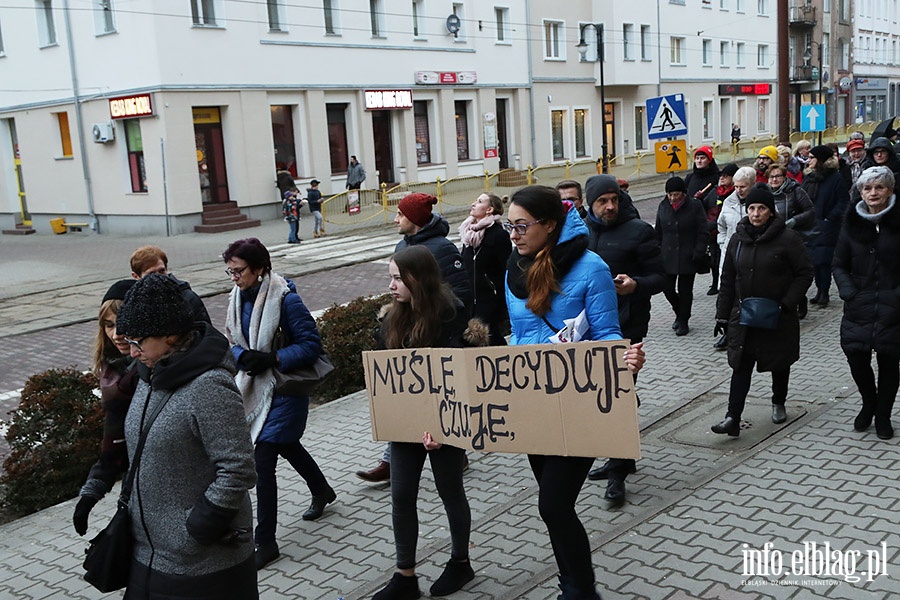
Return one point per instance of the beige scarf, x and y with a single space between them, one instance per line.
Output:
257 391
471 232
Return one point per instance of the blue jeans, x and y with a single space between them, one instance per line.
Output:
292 232
318 227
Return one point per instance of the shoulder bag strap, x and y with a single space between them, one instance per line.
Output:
129 479
737 273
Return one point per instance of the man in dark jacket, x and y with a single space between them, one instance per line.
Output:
682 233
630 248
151 259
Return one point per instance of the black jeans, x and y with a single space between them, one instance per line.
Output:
619 468
715 254
740 385
267 489
682 299
560 479
237 582
407 461
882 394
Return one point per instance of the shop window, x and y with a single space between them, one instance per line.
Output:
203 13
423 136
134 143
65 137
337 136
46 26
103 17
275 11
639 120
580 133
331 16
462 129
707 119
283 136
763 124
557 138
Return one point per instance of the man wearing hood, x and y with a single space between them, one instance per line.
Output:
629 247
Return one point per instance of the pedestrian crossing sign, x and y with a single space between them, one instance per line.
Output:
671 156
666 116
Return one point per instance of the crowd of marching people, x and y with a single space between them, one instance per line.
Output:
198 418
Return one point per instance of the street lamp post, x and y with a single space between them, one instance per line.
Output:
582 48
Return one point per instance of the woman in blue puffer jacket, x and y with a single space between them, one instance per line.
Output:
270 329
552 276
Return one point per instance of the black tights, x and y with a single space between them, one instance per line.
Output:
881 395
740 385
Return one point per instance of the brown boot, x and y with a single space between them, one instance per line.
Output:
381 472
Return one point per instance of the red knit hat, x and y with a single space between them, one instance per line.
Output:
417 208
704 150
854 144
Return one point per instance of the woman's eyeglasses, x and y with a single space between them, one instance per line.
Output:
519 228
235 272
135 343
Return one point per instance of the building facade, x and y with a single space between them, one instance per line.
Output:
876 60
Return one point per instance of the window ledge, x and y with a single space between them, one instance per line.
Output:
106 33
63 158
204 26
51 45
333 34
282 31
556 59
502 43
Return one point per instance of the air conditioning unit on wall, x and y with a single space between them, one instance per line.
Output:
103 132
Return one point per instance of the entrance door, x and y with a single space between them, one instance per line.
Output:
502 148
384 155
210 155
24 215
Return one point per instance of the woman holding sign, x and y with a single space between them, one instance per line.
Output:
552 276
426 314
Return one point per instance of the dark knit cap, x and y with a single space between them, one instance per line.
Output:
730 169
154 306
417 208
675 184
822 153
597 185
118 290
760 194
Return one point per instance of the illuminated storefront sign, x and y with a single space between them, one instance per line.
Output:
130 107
745 89
388 99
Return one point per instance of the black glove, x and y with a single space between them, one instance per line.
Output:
721 327
255 362
209 523
82 510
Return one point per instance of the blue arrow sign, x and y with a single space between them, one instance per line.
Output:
812 117
666 116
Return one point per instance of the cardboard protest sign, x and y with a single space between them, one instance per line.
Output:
572 399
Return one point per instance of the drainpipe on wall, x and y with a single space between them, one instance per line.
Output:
79 122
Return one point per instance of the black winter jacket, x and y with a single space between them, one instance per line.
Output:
793 204
434 237
698 179
830 195
867 273
776 265
682 235
629 246
486 268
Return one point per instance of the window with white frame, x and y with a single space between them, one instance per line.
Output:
762 7
423 132
557 133
501 15
46 26
723 4
376 18
554 40
707 53
645 42
826 49
460 11
739 54
461 110
581 128
707 119
762 56
739 5
330 9
418 14
134 145
204 13
763 124
724 50
103 17
628 41
1 39
275 10
676 46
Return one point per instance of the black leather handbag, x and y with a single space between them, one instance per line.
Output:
300 382
760 313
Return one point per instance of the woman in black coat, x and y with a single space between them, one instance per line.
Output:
682 232
486 248
764 259
830 195
867 274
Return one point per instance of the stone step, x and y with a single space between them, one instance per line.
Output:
20 230
244 224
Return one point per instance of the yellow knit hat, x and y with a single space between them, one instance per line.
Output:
771 152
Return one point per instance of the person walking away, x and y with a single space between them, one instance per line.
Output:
867 274
190 502
552 276
117 372
314 199
764 259
269 329
830 196
631 250
486 248
681 231
425 314
356 174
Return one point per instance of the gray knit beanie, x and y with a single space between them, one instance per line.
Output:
154 307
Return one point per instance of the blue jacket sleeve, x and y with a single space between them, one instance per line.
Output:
602 306
303 345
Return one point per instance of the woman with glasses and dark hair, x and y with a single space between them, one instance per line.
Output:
190 502
552 276
270 329
867 274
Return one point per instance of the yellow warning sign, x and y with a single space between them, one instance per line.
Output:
671 156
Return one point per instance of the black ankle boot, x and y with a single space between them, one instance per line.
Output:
400 587
729 425
883 428
864 419
456 574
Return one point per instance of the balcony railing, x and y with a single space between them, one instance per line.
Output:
803 16
803 73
